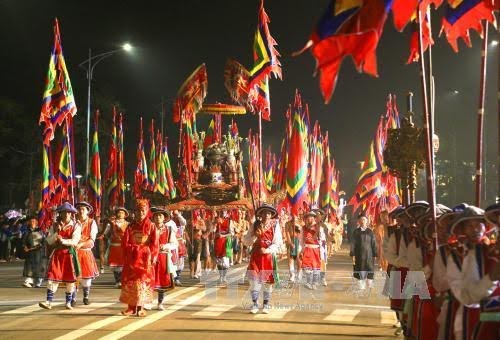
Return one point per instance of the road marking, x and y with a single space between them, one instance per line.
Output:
86 308
214 310
274 314
30 309
126 330
112 319
388 318
361 306
342 315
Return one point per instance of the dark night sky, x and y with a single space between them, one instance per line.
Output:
171 38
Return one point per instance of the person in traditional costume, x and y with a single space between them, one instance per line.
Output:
395 275
164 268
88 265
311 254
323 242
265 238
114 231
292 238
223 247
198 226
181 251
33 244
454 264
378 231
363 252
239 232
140 248
489 320
63 266
443 296
480 275
425 311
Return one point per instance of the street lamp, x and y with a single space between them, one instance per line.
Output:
78 178
89 66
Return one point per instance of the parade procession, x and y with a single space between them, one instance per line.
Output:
138 202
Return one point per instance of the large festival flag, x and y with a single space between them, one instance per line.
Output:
377 188
348 27
209 135
327 176
141 172
404 11
161 185
111 179
95 193
463 15
152 168
190 96
65 169
316 164
121 164
265 57
297 166
58 101
47 181
168 171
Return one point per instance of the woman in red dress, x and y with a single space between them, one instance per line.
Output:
140 248
167 241
89 269
265 238
115 231
63 261
310 255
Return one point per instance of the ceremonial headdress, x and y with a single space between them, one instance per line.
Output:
470 213
310 213
416 209
491 213
398 211
159 210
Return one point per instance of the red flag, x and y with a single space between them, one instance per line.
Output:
347 28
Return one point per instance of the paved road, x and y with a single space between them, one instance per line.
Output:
202 310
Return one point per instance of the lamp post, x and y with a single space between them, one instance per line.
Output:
78 178
89 66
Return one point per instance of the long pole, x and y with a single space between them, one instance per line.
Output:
71 170
431 191
480 118
260 158
89 79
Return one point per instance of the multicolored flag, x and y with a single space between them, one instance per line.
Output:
404 11
95 193
190 96
348 27
270 170
141 172
111 179
463 15
161 185
58 100
152 168
65 180
266 62
316 164
168 171
121 164
297 166
209 136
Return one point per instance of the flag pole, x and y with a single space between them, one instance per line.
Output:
68 140
480 117
431 190
260 157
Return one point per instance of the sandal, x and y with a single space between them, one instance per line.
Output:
141 313
127 312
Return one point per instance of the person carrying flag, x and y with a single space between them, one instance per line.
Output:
63 237
89 269
264 235
115 230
